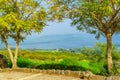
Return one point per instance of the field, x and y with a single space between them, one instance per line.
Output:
82 59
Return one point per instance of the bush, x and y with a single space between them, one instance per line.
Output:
97 68
51 66
9 64
84 64
23 62
69 62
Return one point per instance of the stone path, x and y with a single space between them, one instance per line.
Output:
32 76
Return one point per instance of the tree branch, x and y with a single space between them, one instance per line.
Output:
116 12
112 4
33 10
115 25
96 23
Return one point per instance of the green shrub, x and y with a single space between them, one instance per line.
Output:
84 64
51 66
9 64
69 62
23 62
97 68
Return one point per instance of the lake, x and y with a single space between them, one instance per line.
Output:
65 41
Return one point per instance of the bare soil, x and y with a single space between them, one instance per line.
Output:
14 75
35 74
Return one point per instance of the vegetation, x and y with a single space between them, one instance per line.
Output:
82 59
100 17
19 18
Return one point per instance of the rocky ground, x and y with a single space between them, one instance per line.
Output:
35 74
32 76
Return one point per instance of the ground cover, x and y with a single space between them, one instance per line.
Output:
82 59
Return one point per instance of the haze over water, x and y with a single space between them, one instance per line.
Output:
61 35
65 41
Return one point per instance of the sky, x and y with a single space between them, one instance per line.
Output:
55 28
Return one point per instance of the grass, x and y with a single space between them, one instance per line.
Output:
86 59
56 60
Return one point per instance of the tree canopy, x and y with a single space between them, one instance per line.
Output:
94 15
19 18
25 16
100 17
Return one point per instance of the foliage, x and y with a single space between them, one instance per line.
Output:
100 17
94 16
88 59
19 18
24 16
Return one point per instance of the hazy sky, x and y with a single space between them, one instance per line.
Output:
59 28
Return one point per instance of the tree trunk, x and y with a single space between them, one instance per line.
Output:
16 53
15 57
8 47
9 51
109 52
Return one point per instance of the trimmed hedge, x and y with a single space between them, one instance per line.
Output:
60 67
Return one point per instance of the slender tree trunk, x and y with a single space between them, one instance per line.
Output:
9 51
8 47
15 57
109 52
16 52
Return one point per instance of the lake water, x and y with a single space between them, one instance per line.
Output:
66 41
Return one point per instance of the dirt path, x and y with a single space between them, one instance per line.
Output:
32 76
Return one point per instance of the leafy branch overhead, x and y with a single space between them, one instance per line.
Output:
25 16
100 17
19 18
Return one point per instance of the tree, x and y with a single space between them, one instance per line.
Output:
100 17
19 18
